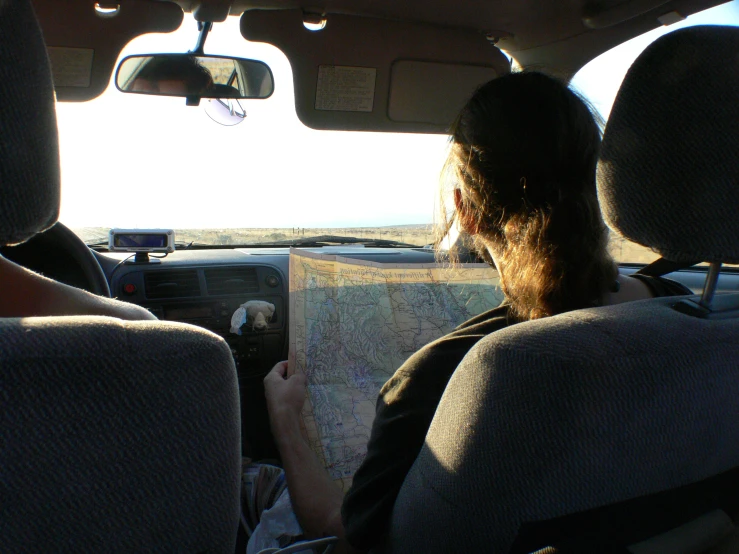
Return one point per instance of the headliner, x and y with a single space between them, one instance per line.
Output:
521 24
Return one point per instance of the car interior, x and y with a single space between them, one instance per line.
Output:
610 429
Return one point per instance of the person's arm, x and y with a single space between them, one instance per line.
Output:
316 499
29 294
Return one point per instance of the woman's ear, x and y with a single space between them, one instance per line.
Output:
457 199
464 218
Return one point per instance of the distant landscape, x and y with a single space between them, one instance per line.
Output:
625 251
417 235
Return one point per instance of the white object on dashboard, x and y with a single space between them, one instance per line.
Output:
258 312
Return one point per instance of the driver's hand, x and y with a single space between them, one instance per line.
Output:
285 394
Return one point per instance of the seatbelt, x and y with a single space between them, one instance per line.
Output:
609 529
662 266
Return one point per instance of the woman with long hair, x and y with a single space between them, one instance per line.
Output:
522 162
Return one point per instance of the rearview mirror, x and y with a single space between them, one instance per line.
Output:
188 75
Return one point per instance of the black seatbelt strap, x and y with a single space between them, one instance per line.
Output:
662 266
608 529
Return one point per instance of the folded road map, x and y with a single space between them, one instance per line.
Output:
353 323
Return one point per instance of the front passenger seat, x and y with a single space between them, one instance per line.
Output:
114 436
612 429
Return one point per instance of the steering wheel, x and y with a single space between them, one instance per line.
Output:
61 255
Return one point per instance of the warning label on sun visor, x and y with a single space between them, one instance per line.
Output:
345 89
71 67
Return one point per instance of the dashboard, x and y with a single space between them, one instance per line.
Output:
206 287
207 296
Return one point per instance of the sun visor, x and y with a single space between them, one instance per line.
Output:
85 43
366 74
411 81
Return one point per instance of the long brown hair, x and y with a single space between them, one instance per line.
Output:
523 156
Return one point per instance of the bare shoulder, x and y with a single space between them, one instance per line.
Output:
629 289
34 295
124 310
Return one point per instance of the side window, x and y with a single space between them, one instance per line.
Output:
600 79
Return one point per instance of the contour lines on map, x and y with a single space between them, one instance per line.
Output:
353 323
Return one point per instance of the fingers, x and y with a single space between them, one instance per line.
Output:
280 368
299 378
282 372
276 373
292 370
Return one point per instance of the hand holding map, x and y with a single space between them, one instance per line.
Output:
284 390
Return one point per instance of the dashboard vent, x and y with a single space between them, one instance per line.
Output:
231 280
171 284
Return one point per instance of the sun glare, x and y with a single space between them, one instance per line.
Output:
169 165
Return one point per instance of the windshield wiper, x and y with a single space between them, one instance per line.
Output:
98 245
333 240
308 242
192 245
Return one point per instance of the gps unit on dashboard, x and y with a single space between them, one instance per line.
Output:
141 242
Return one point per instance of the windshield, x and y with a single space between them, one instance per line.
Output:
131 161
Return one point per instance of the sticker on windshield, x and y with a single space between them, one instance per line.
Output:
71 67
345 88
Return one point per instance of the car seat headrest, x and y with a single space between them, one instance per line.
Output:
29 149
668 176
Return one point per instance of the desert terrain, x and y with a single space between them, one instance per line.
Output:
417 235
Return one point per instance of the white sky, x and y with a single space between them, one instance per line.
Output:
599 80
141 161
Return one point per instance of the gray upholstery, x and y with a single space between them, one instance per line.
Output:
669 153
29 150
593 407
114 436
117 437
568 413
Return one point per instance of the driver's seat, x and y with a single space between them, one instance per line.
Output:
115 436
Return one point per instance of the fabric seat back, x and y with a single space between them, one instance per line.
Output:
566 414
117 437
114 436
